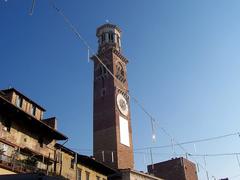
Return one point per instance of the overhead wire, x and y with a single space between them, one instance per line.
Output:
73 28
235 176
181 143
192 141
91 51
238 160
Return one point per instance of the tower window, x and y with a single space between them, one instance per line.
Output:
101 71
103 38
103 92
107 37
118 40
104 70
100 40
111 37
103 83
120 73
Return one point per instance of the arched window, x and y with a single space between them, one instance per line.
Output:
103 83
120 69
120 74
111 37
103 37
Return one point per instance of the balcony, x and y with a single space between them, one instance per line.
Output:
20 166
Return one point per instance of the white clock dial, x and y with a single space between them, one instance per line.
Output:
122 104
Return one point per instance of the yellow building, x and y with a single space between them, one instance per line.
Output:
75 166
26 139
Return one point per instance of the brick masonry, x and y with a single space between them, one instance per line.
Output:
106 136
179 168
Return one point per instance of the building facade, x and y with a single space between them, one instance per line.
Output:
112 131
129 174
75 166
28 144
26 139
178 168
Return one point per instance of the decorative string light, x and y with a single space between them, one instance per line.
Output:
32 7
88 54
73 28
153 130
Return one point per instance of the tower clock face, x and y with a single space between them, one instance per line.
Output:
122 104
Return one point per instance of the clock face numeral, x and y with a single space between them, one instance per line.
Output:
122 104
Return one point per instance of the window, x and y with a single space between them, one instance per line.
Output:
103 83
103 92
33 110
8 128
79 174
102 70
40 141
97 178
19 101
72 163
4 148
100 40
120 73
118 40
59 156
111 37
7 123
87 175
103 38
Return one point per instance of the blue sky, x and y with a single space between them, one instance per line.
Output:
183 67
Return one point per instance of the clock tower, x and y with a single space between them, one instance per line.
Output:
112 131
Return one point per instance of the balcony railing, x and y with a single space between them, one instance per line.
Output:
19 166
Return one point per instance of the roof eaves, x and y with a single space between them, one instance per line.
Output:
63 137
18 92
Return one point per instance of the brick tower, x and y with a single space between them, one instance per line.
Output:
112 132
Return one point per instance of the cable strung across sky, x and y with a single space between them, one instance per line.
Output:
193 141
183 143
196 90
92 52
